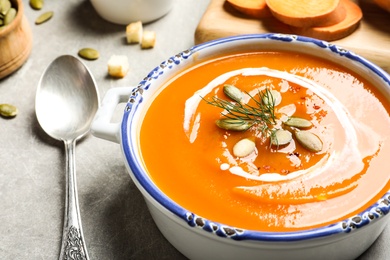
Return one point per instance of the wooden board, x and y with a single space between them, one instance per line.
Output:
371 40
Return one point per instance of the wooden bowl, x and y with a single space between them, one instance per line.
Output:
15 42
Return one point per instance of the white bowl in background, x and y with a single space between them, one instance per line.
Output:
127 11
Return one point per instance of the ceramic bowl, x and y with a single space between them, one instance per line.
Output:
15 42
127 11
200 238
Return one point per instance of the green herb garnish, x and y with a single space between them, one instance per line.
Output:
239 116
260 115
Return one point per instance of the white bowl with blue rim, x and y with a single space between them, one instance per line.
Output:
200 238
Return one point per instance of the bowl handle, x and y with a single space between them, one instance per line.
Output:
101 126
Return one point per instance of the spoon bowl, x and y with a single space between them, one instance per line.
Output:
65 105
66 99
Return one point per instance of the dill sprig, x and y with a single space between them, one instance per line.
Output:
260 115
240 116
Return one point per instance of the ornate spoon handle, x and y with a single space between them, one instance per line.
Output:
73 243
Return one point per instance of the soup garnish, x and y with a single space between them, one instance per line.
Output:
239 116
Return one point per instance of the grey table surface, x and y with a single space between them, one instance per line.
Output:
116 221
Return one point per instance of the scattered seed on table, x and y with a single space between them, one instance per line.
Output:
44 17
36 4
7 110
89 54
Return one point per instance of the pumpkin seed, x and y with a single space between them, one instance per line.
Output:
244 147
272 97
10 16
8 110
7 13
298 122
309 141
232 92
5 6
44 17
36 4
89 53
233 124
281 137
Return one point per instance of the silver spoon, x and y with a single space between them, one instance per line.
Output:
65 105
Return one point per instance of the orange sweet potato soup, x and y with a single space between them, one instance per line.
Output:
269 141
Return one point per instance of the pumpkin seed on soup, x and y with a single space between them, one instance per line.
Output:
281 137
7 110
233 124
298 122
89 53
272 97
36 4
232 92
309 141
44 17
244 147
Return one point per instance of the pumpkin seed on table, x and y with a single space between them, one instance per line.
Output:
89 53
44 17
36 4
7 110
232 92
309 141
244 147
233 124
298 122
281 137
